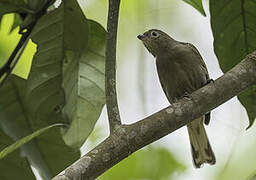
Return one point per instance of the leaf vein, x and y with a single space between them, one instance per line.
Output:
244 26
83 77
95 68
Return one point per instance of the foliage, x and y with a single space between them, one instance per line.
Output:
233 25
197 4
16 122
66 85
24 140
149 163
8 43
10 6
64 69
84 107
13 166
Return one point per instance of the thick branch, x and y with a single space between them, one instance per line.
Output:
110 68
130 138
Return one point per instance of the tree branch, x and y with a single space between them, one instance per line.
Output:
130 138
110 67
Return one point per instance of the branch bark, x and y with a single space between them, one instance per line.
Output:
110 67
129 138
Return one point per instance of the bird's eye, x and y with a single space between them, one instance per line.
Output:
154 34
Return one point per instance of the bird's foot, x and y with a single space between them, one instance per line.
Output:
209 81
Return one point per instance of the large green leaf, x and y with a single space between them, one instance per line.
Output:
233 25
65 85
41 97
22 6
66 77
48 152
37 4
9 149
197 4
86 93
13 166
15 124
58 39
11 6
150 163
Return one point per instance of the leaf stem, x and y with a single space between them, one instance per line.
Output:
110 66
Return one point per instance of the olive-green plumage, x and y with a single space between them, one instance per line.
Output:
181 70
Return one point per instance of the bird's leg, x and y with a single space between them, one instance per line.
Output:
208 115
209 81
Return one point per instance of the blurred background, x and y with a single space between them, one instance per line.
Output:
140 94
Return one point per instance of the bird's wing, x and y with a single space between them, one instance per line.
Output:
193 48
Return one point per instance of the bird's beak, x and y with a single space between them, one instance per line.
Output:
140 37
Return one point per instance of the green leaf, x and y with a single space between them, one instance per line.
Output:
67 77
150 163
86 94
61 65
1 21
58 39
47 153
25 140
15 124
233 25
12 6
252 176
248 98
36 4
58 36
16 22
197 4
13 166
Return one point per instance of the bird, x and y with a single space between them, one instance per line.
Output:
181 70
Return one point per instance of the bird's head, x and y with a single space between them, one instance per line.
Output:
156 41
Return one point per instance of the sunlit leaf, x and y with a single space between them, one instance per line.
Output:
252 176
197 4
150 163
233 25
16 22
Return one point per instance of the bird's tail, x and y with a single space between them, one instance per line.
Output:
200 146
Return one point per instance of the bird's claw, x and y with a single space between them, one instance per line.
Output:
209 81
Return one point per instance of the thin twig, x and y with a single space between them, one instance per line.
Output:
110 67
8 67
